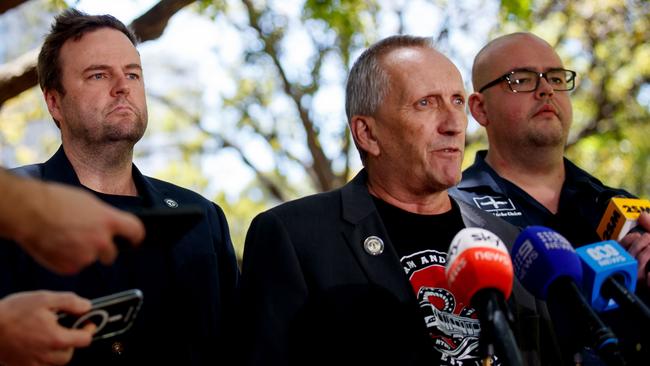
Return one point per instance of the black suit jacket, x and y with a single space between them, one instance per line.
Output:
313 248
189 286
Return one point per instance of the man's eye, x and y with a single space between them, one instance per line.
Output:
459 101
97 76
133 76
558 81
522 81
428 102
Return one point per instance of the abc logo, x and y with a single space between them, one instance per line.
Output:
601 252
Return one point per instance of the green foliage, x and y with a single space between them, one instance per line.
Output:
517 11
344 17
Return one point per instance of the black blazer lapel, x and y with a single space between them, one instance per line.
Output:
383 269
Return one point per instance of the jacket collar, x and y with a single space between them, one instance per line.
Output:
358 209
59 169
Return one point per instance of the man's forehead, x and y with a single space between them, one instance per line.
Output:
100 46
519 52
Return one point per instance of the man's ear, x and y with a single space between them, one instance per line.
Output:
363 132
477 108
53 101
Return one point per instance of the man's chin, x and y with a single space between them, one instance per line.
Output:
547 140
131 137
444 183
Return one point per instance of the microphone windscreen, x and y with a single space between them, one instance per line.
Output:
540 256
620 217
601 261
477 259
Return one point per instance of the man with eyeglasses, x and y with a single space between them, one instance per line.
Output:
522 99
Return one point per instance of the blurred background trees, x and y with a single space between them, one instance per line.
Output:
246 97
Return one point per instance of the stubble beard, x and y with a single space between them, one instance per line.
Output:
552 134
110 130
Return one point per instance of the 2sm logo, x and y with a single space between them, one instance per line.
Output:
620 217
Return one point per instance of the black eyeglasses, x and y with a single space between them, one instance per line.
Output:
525 81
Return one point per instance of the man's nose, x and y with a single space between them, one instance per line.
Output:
544 88
121 86
453 122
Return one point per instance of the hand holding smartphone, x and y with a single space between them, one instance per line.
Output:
164 226
112 315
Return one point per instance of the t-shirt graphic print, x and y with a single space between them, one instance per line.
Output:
454 327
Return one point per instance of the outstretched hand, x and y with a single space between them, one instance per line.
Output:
30 332
66 229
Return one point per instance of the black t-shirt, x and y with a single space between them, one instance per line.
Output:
421 242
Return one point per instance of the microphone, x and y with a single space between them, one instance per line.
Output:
610 275
547 266
620 217
479 273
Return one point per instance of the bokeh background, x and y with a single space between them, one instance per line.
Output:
246 97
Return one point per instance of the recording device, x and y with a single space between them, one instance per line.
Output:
112 315
479 272
547 266
164 225
610 275
621 216
607 268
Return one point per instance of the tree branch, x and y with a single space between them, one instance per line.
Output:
20 75
10 4
322 168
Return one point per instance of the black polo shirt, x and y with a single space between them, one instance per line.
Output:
583 200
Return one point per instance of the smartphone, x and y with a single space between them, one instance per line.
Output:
112 315
164 226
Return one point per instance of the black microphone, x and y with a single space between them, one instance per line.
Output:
547 266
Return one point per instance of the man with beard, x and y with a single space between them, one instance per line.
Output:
91 77
521 97
356 275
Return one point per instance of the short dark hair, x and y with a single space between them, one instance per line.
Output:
71 23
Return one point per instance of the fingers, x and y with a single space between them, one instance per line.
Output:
644 221
107 253
643 257
58 356
73 304
75 338
638 244
129 227
32 334
67 302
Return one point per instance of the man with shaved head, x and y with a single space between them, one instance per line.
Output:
521 97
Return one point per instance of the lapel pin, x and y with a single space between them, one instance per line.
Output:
373 245
171 203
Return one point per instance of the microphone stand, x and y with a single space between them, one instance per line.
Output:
496 334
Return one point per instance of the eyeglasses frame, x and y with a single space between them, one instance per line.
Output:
506 77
